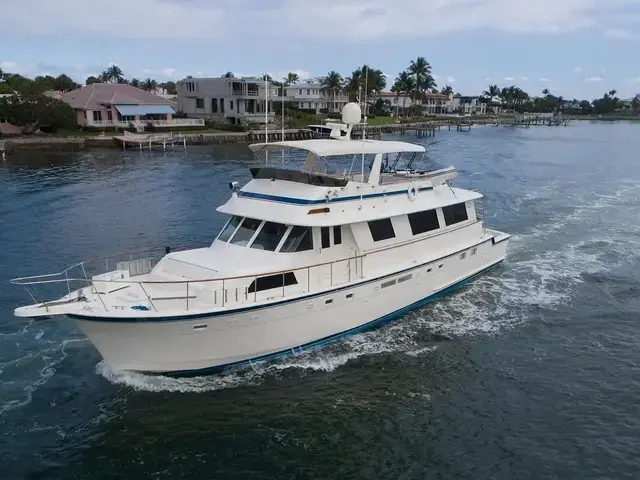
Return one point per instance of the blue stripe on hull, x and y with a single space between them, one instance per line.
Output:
306 201
331 338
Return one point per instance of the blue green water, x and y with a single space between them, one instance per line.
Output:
529 372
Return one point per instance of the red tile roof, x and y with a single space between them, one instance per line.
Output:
94 96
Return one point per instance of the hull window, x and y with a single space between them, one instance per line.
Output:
337 235
324 235
455 213
269 236
229 228
246 230
272 281
422 222
381 229
300 239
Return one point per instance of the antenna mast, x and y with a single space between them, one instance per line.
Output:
266 115
364 123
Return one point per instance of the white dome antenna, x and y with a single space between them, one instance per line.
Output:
351 114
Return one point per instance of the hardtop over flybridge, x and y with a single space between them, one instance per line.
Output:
329 237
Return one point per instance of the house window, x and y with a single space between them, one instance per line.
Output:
300 239
455 213
229 228
308 91
245 231
199 102
422 222
337 235
230 104
269 236
324 235
300 92
381 229
214 105
222 105
272 281
97 116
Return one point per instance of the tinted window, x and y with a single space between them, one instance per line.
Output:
269 236
423 221
300 239
324 234
337 235
246 230
272 281
229 228
381 229
455 213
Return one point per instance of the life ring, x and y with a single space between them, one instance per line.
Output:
412 192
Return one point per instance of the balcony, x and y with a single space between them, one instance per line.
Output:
175 122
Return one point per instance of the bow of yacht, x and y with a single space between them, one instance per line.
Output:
329 237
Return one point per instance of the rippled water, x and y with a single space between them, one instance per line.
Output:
530 372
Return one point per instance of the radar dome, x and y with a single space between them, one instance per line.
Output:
351 114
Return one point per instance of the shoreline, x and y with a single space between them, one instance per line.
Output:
73 143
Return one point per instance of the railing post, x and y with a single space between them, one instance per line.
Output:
187 296
224 292
66 274
255 289
282 284
331 274
148 297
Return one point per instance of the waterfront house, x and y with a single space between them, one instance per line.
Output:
238 101
466 105
400 104
117 105
315 97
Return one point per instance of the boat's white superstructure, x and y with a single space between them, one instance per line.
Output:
306 256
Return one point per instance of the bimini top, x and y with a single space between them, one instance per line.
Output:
329 147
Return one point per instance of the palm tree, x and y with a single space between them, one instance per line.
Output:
546 92
332 82
365 77
292 78
447 90
635 104
420 69
115 74
228 75
149 85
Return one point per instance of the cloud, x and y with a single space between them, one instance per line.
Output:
509 79
8 65
593 79
620 34
577 70
450 79
544 80
167 72
524 79
331 19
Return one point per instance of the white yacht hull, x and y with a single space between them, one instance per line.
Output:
204 344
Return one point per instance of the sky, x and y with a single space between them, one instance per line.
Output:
575 48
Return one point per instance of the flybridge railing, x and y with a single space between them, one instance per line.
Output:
184 295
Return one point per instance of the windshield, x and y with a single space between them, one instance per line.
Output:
246 230
269 237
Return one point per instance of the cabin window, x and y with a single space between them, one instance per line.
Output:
381 229
229 228
324 235
245 231
422 222
337 235
272 281
269 236
300 239
455 213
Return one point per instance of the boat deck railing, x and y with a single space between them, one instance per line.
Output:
183 295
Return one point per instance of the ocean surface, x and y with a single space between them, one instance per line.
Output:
532 371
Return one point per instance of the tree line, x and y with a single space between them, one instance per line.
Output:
516 99
16 83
